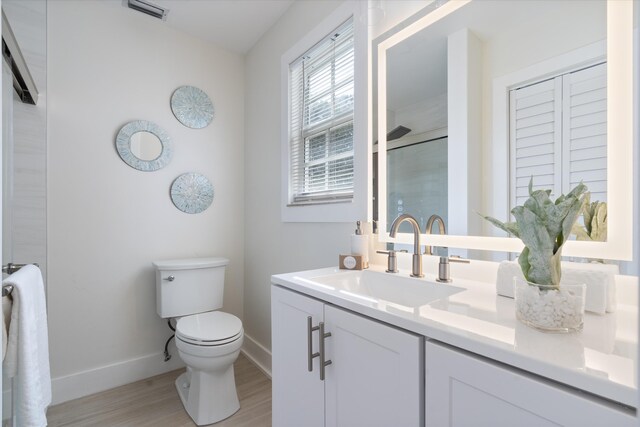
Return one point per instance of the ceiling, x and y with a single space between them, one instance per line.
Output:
235 25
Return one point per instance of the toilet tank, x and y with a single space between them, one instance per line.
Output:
189 286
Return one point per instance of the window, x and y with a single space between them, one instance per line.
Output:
559 134
321 112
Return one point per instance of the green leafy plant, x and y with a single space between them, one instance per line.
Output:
544 226
595 222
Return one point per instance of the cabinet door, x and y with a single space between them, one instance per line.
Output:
465 390
375 375
298 395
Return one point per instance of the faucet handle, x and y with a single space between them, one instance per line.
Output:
392 260
391 251
458 258
444 276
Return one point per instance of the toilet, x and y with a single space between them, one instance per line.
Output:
208 341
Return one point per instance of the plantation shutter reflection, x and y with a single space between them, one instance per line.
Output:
321 120
536 139
585 131
558 134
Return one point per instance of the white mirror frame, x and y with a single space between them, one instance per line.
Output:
620 184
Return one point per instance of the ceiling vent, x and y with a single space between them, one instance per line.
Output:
147 7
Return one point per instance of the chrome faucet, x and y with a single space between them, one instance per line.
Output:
428 250
416 269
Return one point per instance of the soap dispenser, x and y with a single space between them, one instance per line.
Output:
360 245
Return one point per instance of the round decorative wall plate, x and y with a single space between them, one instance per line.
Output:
128 144
192 107
191 193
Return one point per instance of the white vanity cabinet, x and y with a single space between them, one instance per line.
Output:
375 374
466 390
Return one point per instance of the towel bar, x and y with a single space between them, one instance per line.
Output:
11 268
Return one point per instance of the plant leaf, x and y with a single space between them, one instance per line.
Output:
576 206
541 246
578 191
509 227
544 226
599 223
587 214
580 232
523 260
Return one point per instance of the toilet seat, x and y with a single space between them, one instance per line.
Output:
214 328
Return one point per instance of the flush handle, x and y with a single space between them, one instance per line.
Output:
170 278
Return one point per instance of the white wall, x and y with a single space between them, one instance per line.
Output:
386 14
272 246
107 222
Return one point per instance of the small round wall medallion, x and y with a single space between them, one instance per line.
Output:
191 193
192 107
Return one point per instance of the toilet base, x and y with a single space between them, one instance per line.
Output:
208 398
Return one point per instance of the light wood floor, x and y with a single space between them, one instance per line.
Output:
155 402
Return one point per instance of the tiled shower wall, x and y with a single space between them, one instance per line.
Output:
28 20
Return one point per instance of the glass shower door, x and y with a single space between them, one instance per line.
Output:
23 172
7 199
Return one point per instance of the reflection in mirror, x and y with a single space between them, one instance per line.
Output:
417 100
417 180
556 109
145 146
494 93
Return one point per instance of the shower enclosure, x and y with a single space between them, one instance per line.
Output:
23 146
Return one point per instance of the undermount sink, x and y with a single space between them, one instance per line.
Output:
377 286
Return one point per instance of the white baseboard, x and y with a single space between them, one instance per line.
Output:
92 381
107 377
257 353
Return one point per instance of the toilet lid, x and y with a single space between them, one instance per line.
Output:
211 327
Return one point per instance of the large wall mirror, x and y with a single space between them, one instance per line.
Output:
475 97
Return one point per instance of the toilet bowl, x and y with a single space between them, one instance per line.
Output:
209 344
208 340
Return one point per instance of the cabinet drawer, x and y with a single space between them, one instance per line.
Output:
466 390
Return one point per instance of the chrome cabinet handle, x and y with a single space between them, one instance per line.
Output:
310 354
170 278
323 363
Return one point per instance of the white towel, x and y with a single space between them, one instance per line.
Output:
28 349
6 321
507 270
599 278
605 271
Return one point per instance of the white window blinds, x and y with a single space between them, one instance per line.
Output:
321 120
558 133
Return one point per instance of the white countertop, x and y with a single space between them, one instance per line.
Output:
602 359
